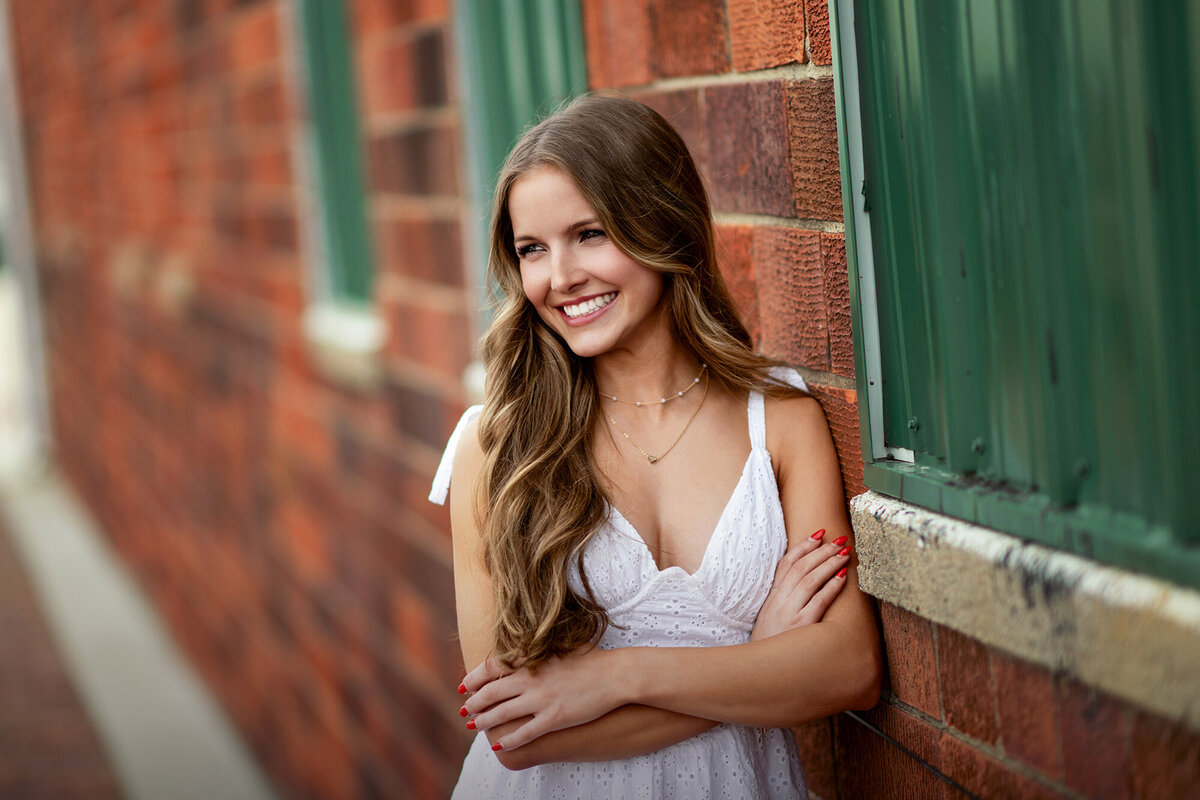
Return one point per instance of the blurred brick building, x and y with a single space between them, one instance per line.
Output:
275 510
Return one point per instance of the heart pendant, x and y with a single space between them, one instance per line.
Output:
652 459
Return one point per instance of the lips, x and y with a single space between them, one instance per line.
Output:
588 307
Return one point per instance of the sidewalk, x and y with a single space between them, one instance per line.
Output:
165 736
48 746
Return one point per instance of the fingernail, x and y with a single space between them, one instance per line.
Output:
841 574
816 537
845 551
841 540
462 712
471 722
462 688
495 747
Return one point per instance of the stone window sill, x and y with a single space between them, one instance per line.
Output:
346 345
1133 636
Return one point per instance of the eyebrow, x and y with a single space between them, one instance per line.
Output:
581 224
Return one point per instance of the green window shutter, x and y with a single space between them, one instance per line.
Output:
1020 184
519 59
337 150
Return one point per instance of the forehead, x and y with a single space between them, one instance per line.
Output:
545 198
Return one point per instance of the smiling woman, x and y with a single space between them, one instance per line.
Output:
644 604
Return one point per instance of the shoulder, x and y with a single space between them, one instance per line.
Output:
798 436
793 420
468 458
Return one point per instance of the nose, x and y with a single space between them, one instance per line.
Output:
565 272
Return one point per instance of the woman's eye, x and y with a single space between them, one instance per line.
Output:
590 233
526 249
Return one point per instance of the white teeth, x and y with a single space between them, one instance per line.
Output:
588 306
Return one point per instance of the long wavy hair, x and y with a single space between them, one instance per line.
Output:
542 495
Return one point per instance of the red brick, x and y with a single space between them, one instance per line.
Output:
1095 736
911 656
438 340
986 777
746 128
428 249
305 542
736 259
681 108
965 675
766 33
841 411
1027 713
618 42
791 287
689 38
869 766
411 622
813 147
384 73
815 742
1166 758
254 40
375 16
837 304
817 20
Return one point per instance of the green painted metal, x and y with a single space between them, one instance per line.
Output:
520 59
337 150
1032 172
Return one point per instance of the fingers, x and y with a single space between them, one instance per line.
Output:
493 693
795 553
815 609
488 671
819 567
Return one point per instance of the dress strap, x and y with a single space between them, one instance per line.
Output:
756 407
441 480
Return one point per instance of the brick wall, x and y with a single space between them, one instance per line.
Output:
279 521
749 83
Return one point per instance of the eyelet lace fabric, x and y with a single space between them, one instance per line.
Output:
714 606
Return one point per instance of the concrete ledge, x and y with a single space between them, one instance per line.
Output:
1133 636
346 344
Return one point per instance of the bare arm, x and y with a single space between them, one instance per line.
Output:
798 675
626 731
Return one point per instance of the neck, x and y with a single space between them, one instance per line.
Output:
646 375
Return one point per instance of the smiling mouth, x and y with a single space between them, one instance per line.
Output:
588 306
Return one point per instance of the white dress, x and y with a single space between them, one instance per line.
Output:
670 608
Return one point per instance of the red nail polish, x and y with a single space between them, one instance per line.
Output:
462 712
462 688
816 537
471 722
845 551
495 747
841 574
841 540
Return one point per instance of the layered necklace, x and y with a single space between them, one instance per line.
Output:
662 401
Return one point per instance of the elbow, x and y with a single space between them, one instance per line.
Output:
517 760
864 681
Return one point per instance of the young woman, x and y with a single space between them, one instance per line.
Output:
623 500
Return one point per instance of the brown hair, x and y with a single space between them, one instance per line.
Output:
542 495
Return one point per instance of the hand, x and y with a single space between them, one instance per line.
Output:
807 579
561 692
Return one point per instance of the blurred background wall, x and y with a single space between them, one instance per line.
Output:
268 485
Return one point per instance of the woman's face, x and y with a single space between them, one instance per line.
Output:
583 286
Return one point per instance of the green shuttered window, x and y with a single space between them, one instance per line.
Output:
1021 189
336 151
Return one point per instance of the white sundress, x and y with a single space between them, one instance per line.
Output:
717 605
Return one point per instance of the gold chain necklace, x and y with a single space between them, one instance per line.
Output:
653 459
662 401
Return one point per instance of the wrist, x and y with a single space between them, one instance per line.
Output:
631 674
